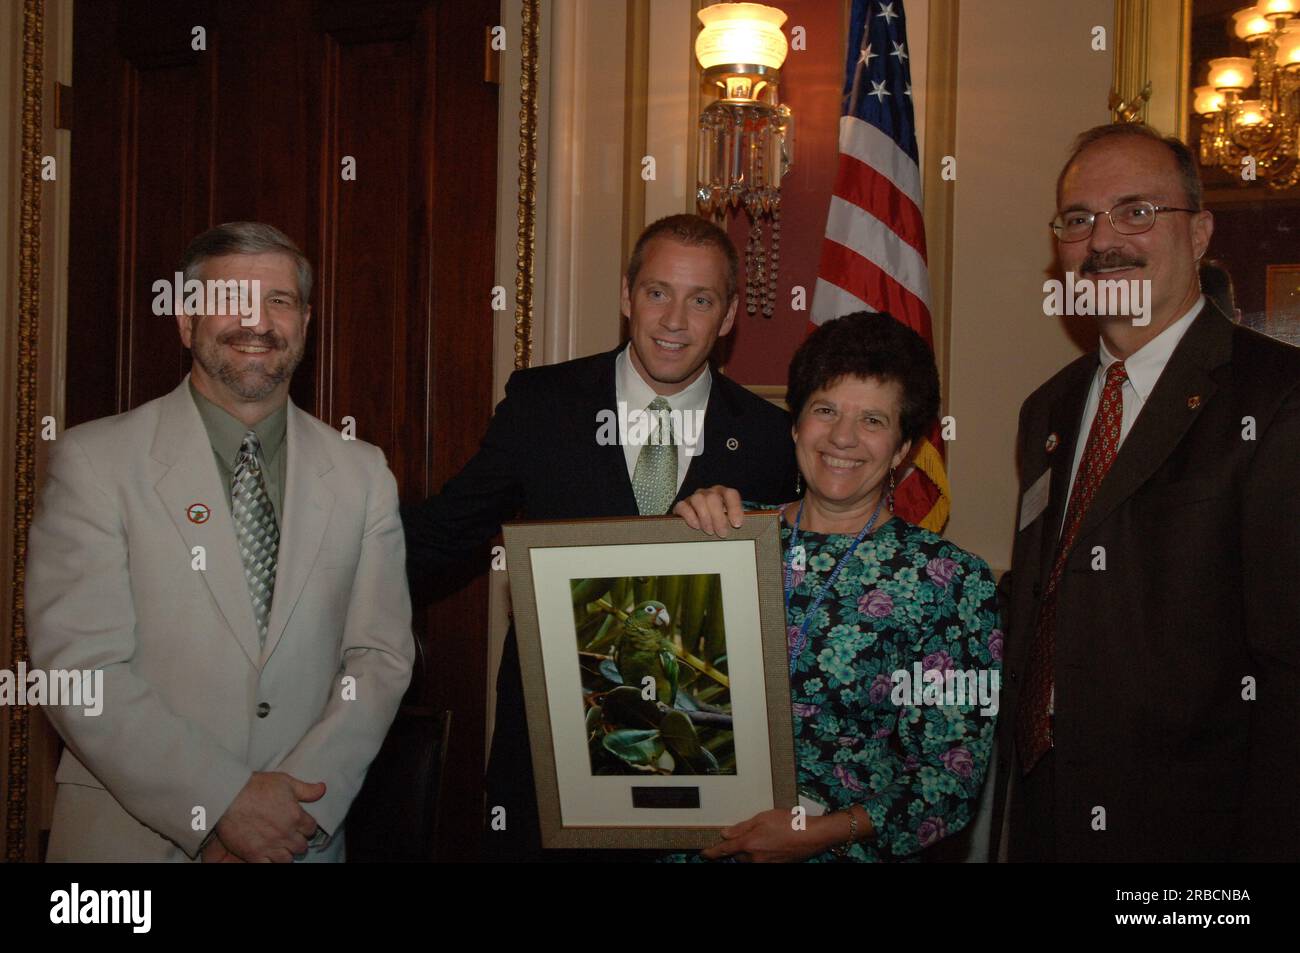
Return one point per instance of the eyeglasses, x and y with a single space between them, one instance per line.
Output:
1127 218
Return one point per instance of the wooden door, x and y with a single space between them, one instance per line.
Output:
188 114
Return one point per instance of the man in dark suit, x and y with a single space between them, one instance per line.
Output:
553 451
1152 708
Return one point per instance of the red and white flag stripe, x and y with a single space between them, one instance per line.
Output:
873 255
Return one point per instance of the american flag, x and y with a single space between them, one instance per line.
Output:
873 256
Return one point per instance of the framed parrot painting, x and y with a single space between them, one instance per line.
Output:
655 678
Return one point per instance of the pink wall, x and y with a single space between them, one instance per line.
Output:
760 349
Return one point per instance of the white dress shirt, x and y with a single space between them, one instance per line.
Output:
1144 367
634 395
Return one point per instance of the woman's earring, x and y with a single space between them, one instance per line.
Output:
889 500
798 484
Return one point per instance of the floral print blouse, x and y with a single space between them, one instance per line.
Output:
913 754
906 598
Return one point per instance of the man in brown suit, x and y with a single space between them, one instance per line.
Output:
1152 699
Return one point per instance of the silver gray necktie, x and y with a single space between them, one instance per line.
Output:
654 481
256 531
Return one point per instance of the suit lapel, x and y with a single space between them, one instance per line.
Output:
611 461
1183 389
1064 419
181 443
308 503
720 415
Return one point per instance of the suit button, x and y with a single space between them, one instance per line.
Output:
263 709
1011 675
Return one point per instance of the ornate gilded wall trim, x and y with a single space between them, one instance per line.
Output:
527 205
29 285
940 140
772 393
1129 70
1151 55
636 117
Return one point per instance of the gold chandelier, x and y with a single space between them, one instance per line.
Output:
1257 137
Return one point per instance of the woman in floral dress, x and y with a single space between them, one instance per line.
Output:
895 649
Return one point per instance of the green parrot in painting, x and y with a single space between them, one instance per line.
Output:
643 649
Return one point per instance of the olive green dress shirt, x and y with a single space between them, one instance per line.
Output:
225 433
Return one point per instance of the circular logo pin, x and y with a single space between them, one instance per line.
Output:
1053 441
1194 401
198 512
733 443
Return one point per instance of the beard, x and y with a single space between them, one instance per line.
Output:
254 378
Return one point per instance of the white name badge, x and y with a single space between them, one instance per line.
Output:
1034 501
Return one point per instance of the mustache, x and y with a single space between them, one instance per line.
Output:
269 339
1112 259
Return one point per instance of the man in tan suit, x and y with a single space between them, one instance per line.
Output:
236 570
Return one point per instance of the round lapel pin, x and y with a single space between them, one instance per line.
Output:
198 512
733 443
1053 441
1194 401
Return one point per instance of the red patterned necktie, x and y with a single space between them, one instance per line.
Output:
1033 715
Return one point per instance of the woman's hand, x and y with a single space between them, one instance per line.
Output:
712 510
770 838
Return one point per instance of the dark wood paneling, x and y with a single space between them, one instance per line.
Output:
168 193
365 317
95 294
461 259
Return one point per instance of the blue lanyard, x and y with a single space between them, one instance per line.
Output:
802 638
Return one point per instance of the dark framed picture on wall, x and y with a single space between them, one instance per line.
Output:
655 678
1282 302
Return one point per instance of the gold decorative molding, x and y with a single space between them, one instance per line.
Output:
1126 110
29 285
525 243
636 117
772 393
1151 62
696 105
938 194
1129 64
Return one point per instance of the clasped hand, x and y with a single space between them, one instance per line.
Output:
266 822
